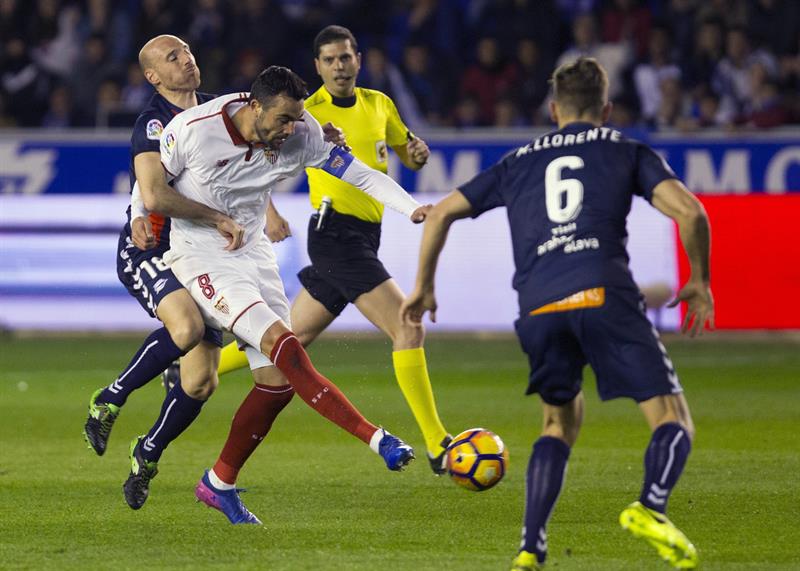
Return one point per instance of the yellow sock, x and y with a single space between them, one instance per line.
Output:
411 371
231 359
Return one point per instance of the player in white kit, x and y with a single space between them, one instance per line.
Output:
228 154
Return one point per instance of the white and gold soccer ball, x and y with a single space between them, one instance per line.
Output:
477 459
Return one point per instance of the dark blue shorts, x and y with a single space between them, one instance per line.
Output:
616 340
148 279
344 260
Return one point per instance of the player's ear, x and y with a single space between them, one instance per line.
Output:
316 65
607 111
152 77
553 107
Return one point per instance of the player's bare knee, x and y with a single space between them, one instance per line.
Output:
271 336
187 333
201 384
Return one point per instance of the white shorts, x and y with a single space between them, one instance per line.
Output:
242 294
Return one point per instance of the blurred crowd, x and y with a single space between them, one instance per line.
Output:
673 64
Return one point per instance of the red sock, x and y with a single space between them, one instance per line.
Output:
250 425
318 392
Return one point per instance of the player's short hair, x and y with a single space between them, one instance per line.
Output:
580 86
331 34
277 80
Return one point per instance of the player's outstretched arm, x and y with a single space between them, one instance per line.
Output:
672 198
159 197
451 208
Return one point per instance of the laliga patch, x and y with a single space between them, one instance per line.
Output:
337 162
169 143
154 129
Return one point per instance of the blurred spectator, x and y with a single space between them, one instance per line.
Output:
90 72
627 21
26 87
623 114
707 53
506 114
137 91
670 109
489 78
466 113
648 76
11 22
248 65
615 58
767 109
379 73
59 114
705 111
424 81
109 103
534 72
731 79
58 45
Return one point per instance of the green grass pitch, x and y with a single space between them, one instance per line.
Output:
328 503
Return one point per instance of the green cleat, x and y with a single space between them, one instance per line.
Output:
526 561
98 426
137 487
670 542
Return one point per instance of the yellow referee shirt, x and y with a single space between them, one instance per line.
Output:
370 125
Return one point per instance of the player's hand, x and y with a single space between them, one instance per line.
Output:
277 226
418 151
142 233
421 213
415 306
231 230
699 307
335 135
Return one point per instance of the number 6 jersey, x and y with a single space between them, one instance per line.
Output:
568 194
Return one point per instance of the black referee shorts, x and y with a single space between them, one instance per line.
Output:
344 260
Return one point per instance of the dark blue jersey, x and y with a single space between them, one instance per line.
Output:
568 194
145 138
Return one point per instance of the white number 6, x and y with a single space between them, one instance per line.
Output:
563 196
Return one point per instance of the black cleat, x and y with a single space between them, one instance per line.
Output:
99 423
171 376
439 462
137 487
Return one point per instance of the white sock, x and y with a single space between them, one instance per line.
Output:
217 483
376 439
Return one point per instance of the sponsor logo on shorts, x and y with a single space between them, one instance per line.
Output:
221 163
222 306
154 129
159 285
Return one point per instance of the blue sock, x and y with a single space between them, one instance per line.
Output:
177 413
546 470
155 355
663 463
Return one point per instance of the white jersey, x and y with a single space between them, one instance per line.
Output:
211 163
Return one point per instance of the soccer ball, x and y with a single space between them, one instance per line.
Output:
477 459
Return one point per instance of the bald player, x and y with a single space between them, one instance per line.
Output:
168 64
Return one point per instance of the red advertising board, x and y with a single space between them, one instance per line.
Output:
755 260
